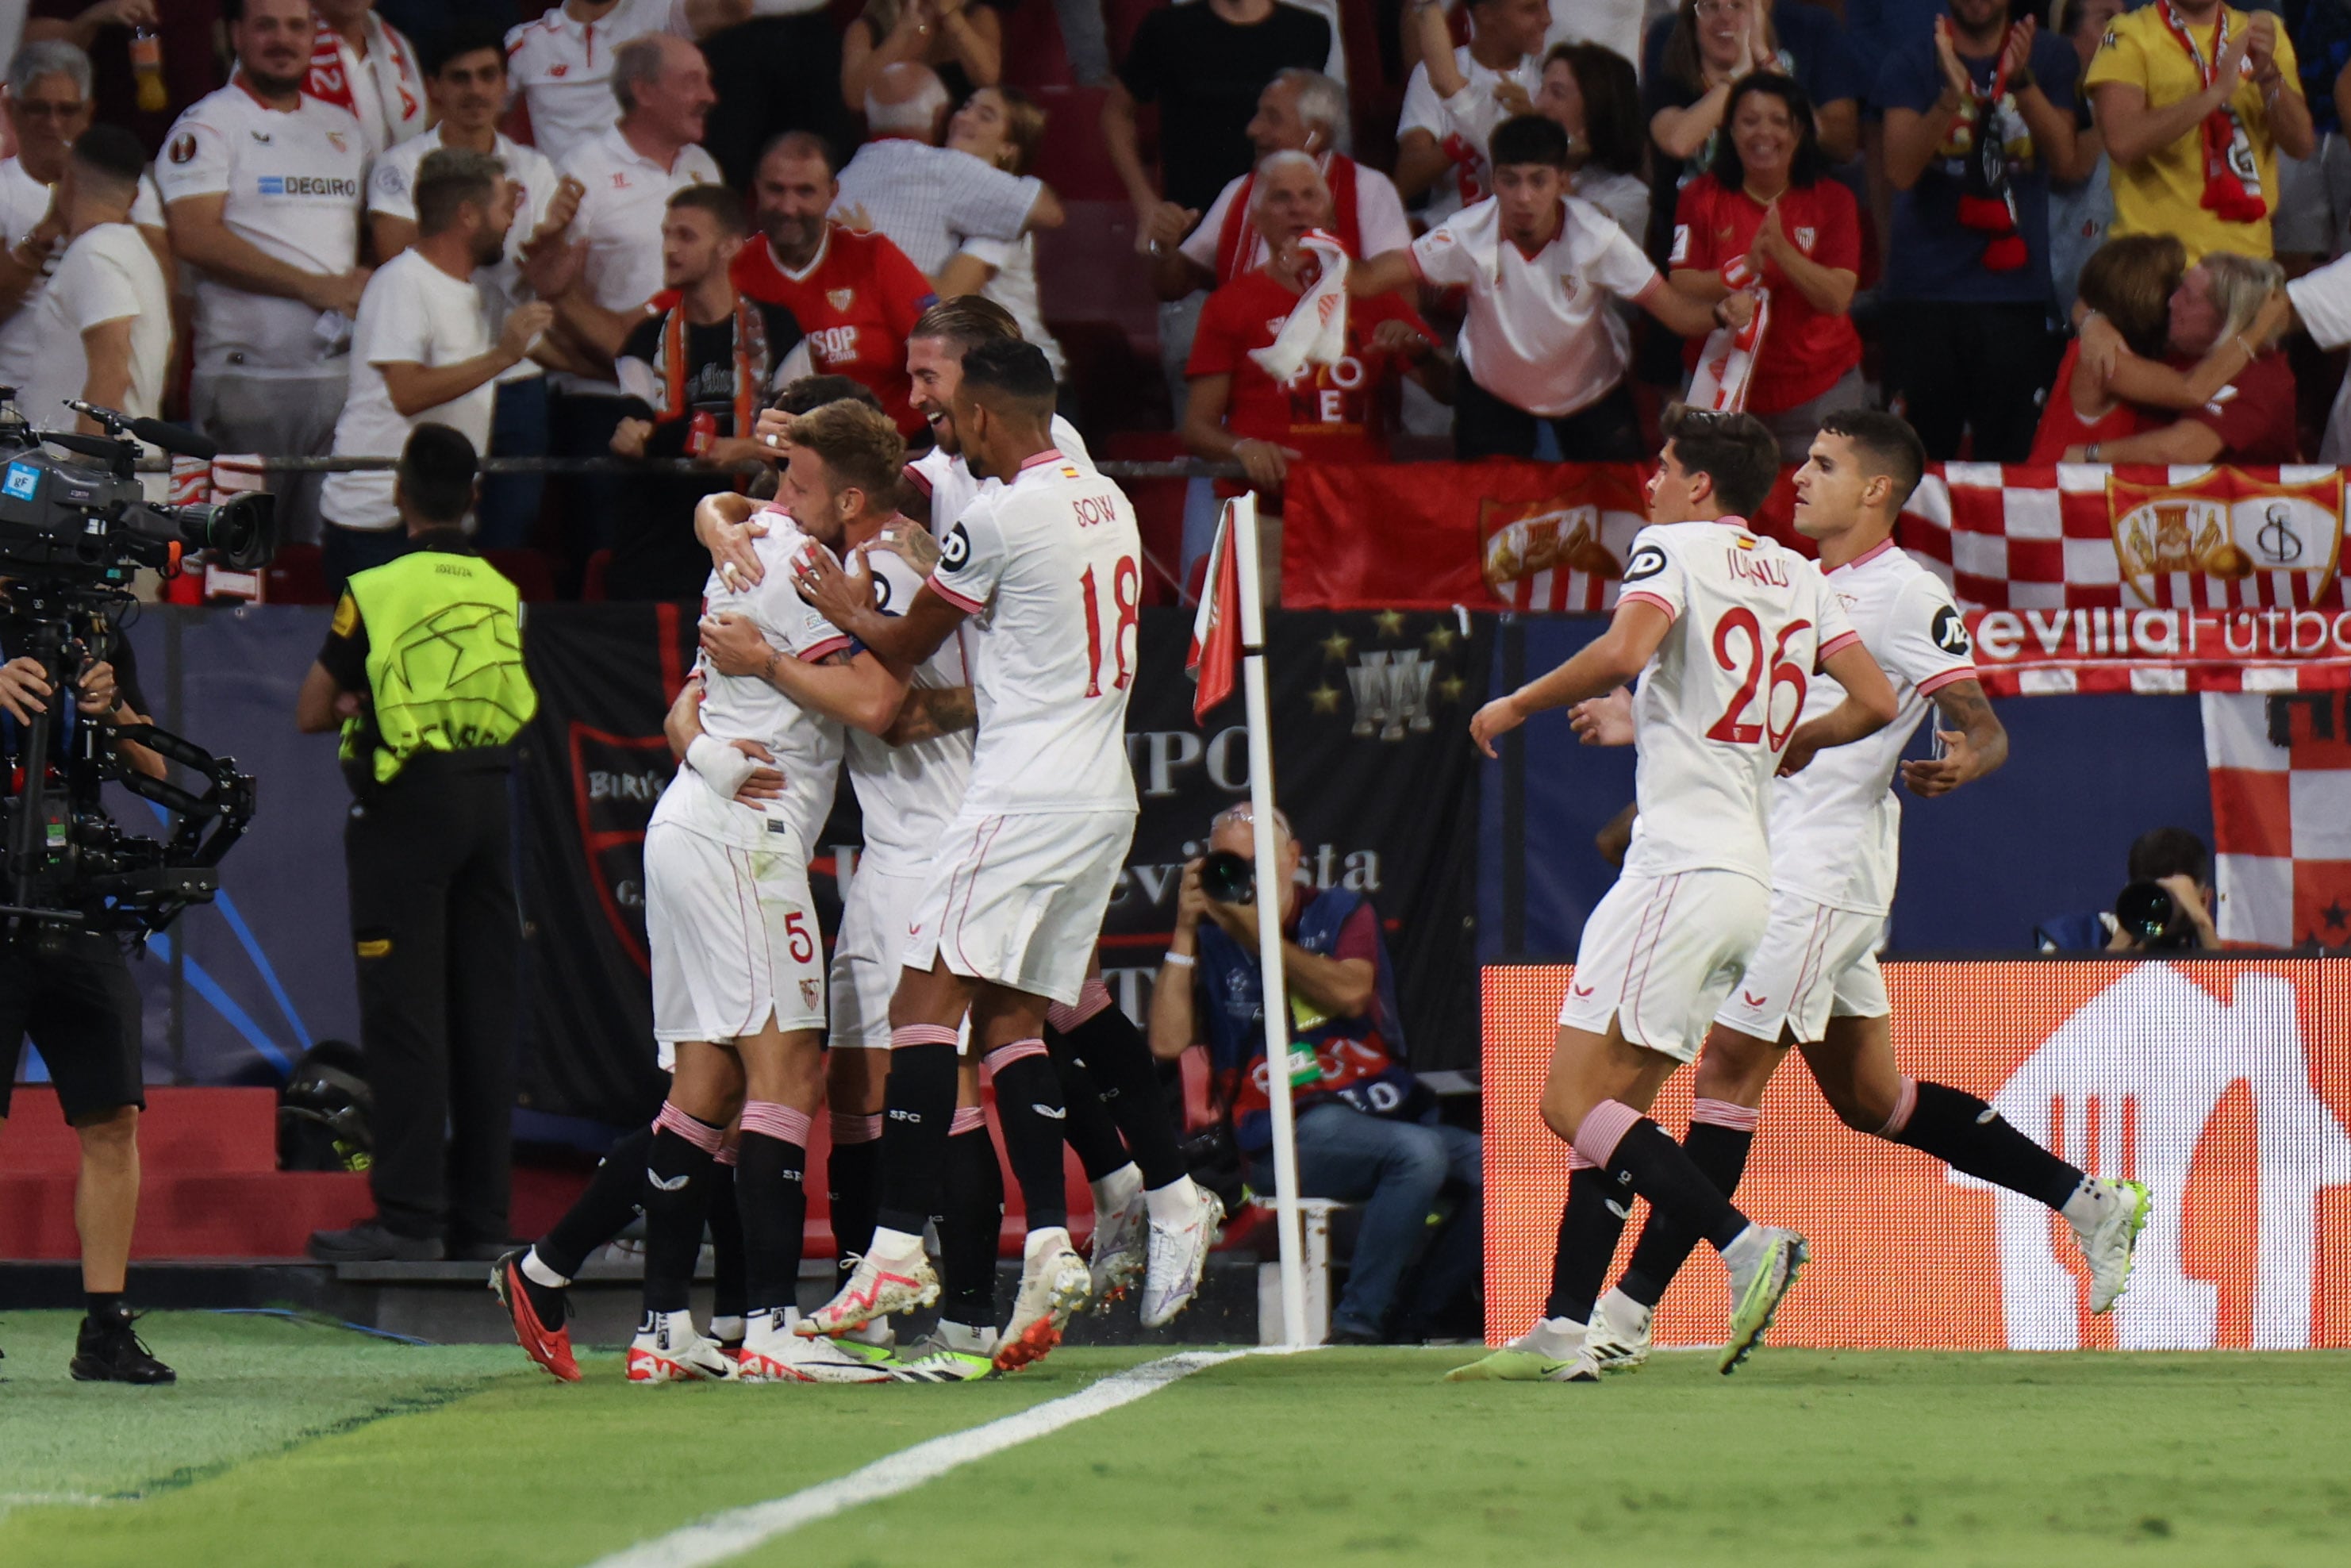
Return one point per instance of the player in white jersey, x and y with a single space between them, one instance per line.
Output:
1725 630
261 187
1835 842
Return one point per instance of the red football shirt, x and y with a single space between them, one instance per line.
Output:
856 301
2254 414
1331 413
1804 351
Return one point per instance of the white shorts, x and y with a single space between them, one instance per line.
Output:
865 967
1814 962
1660 954
734 938
1018 900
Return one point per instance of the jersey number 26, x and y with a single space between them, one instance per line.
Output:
1735 727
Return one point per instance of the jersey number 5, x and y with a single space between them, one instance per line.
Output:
1126 598
1734 726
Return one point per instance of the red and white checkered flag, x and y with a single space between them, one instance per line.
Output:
2281 773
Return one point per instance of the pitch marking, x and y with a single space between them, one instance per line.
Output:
737 1530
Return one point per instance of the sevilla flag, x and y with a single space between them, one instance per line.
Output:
2281 773
1216 646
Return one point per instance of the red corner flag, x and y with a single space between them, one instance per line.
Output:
1216 630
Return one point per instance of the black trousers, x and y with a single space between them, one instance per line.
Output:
73 995
1484 425
1985 368
434 930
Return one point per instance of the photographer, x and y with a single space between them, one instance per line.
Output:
2167 907
71 992
1367 1130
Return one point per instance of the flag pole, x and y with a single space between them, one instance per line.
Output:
1242 540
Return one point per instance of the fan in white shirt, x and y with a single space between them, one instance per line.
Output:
562 65
103 325
1437 152
362 63
1725 630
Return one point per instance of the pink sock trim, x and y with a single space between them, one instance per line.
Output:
852 1129
1093 997
780 1122
726 1155
968 1119
1723 1114
1604 1126
701 1135
1903 1103
922 1034
1576 1162
1004 1056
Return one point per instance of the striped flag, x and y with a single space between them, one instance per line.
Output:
1215 652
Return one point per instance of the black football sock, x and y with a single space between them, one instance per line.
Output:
773 1197
603 1208
1028 1108
1969 1135
1120 1062
971 1222
1719 1152
921 1099
677 1203
1627 1144
105 1307
1589 1227
852 1178
726 1226
1093 1136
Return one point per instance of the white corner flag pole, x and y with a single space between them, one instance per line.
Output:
1242 541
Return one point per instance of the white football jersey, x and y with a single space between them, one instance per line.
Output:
1050 569
562 69
908 794
807 746
292 178
1723 692
948 481
1836 827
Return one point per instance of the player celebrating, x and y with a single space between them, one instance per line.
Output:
1017 893
1835 842
1724 630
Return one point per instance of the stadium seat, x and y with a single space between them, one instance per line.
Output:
1074 159
592 576
1035 60
297 576
529 570
1158 507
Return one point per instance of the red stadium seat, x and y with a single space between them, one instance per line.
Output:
1158 507
297 576
592 576
529 570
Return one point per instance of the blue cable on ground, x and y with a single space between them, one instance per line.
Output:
319 1319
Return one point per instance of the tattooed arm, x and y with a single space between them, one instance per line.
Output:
1974 743
930 712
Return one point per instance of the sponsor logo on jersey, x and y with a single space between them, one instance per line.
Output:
1647 562
956 548
833 345
309 185
559 70
258 134
1752 999
1950 633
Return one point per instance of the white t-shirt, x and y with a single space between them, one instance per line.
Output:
908 794
413 312
562 69
1013 285
948 482
387 87
1050 568
107 275
1542 333
293 178
626 196
1722 694
24 203
392 183
1836 827
805 747
1380 222
1472 179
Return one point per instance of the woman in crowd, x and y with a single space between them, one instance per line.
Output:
2079 214
1766 211
963 40
2114 370
1002 126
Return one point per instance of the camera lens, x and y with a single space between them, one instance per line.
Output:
1227 877
2147 912
242 530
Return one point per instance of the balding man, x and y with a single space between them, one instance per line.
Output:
926 198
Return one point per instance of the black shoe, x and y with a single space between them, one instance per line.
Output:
109 1351
1352 1336
370 1242
482 1251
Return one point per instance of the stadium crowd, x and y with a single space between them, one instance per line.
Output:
2034 235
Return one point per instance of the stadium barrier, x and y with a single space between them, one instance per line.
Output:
2225 1084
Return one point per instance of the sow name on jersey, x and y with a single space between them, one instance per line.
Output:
1092 510
833 345
309 185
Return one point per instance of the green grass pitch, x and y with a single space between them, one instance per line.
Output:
291 1443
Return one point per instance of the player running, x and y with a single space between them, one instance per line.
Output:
1725 629
1835 844
1050 565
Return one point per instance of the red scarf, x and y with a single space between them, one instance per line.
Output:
750 364
1987 204
1240 249
2233 179
328 83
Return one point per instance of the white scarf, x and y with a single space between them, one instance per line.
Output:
1316 331
1726 364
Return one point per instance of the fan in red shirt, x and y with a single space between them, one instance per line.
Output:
1334 412
856 295
1766 211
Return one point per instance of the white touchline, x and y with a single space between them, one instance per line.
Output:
737 1530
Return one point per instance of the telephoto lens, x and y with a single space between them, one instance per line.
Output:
1227 878
2149 914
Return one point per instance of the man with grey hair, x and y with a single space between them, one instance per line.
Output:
560 66
1301 111
926 198
48 108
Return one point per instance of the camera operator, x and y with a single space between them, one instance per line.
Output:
2167 907
71 992
1367 1130
422 671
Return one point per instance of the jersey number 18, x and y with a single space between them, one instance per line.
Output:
1126 598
